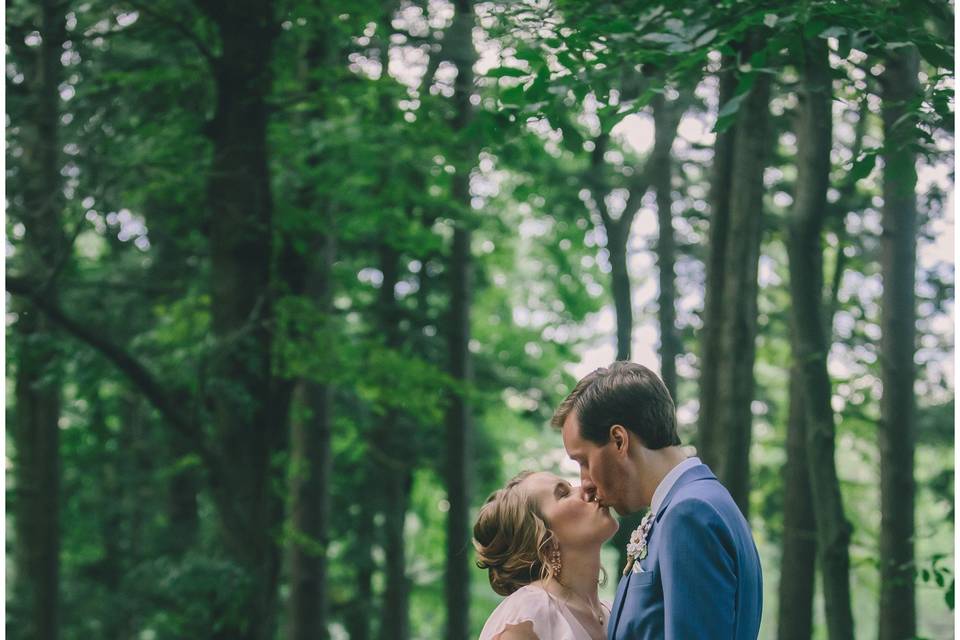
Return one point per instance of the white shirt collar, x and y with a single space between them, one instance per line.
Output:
668 481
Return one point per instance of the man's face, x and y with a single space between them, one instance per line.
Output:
601 473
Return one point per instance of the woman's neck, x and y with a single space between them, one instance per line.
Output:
579 574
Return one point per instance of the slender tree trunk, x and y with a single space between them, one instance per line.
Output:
617 233
798 567
396 475
36 433
666 117
182 494
898 616
735 326
312 460
708 434
617 239
249 404
358 616
810 345
395 624
799 562
36 468
310 450
311 274
114 485
459 420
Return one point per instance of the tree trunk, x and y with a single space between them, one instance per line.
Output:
799 543
810 344
459 419
708 435
358 614
736 323
395 472
617 233
617 238
666 117
395 621
182 492
311 456
249 404
312 460
36 432
798 565
898 617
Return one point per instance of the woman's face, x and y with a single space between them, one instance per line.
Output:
575 522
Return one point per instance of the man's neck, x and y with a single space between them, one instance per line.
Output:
659 463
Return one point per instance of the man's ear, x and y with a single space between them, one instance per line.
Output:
620 437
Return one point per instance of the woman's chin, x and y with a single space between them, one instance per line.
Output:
613 525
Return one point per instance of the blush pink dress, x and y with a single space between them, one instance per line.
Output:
550 616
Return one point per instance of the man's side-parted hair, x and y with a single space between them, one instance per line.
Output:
627 394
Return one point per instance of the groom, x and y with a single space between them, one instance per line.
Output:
693 570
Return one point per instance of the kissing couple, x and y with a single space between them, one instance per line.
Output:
693 570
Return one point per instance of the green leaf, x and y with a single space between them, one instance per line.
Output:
530 55
512 97
728 113
572 139
507 72
661 38
706 38
863 166
936 55
833 32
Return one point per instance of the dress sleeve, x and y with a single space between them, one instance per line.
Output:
528 605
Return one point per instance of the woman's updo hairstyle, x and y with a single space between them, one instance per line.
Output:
511 538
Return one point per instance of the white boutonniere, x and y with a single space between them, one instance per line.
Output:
637 547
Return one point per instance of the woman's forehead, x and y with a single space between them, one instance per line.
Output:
544 482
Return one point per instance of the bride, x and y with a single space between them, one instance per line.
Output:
540 539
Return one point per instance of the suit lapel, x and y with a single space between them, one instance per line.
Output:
699 472
617 607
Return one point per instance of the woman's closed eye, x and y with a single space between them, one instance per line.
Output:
561 490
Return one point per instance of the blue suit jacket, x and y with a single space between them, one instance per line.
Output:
701 577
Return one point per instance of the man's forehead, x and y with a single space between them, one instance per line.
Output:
571 434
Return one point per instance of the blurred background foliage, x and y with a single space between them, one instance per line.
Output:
292 286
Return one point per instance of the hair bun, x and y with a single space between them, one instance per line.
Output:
508 536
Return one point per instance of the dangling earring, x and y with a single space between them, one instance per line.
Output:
555 563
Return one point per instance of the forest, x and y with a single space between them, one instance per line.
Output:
292 286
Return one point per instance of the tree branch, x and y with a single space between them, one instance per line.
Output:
141 378
183 29
595 179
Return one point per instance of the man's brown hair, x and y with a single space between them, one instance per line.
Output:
627 394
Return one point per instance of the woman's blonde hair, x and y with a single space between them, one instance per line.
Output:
512 538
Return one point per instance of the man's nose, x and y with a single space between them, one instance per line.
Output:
587 487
